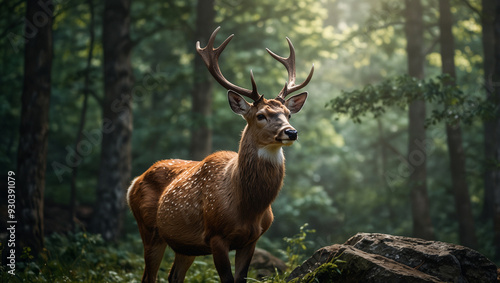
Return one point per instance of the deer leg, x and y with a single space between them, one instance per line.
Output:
180 267
220 252
243 258
154 248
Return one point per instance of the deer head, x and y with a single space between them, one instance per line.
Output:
268 120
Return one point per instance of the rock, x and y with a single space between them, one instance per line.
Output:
266 264
321 256
386 258
359 266
447 261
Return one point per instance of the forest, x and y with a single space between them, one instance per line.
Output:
399 134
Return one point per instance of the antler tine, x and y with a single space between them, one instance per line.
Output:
289 64
210 56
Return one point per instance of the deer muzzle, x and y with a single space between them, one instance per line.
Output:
291 133
287 136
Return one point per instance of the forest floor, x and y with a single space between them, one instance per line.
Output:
84 257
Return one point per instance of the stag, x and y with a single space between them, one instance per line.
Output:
223 202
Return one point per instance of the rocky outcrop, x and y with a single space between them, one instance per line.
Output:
386 258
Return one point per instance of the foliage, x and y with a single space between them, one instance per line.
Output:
327 272
453 104
79 257
296 246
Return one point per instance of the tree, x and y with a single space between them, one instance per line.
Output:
493 87
490 22
83 115
32 151
201 95
414 28
454 134
115 164
488 38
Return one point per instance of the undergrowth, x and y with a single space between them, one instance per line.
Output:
85 257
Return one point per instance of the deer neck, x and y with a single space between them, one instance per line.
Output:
259 174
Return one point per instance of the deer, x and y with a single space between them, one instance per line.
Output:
223 202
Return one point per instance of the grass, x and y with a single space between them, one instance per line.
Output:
84 257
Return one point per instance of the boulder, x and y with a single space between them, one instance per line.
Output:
451 263
374 257
356 266
266 264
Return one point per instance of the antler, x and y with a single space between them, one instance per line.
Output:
289 64
211 55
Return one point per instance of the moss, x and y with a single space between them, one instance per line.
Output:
327 272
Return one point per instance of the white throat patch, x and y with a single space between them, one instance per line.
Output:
129 189
273 154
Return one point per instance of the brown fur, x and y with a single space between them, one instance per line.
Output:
215 205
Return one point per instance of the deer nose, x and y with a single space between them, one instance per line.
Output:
292 134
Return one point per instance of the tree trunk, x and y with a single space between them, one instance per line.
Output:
201 95
454 136
32 151
115 165
417 156
83 115
495 89
382 143
487 22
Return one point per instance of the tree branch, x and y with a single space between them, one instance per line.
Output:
159 28
474 9
434 43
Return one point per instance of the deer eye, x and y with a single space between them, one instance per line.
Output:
261 117
289 116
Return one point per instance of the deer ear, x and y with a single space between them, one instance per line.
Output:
295 103
237 103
